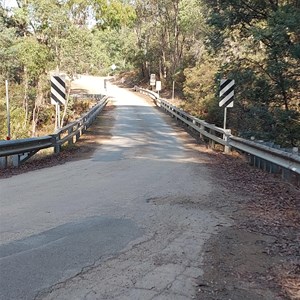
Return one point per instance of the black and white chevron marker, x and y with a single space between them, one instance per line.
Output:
58 90
226 93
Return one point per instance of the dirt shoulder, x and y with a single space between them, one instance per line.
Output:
258 256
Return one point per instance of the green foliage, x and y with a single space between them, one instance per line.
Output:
113 47
287 127
33 55
271 26
3 126
8 54
114 14
199 87
40 36
192 42
74 51
257 44
167 33
19 126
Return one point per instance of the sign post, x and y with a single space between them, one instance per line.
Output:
226 100
58 96
173 90
7 110
225 118
57 116
158 87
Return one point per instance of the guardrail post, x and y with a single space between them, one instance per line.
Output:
85 126
257 162
212 143
3 162
202 127
251 160
56 145
79 133
158 102
194 123
70 141
285 174
263 165
268 166
16 160
179 120
275 169
227 148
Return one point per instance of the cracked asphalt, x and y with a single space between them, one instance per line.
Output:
128 222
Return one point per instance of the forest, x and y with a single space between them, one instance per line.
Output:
193 43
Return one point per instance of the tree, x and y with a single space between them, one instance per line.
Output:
113 14
35 57
261 36
167 32
8 64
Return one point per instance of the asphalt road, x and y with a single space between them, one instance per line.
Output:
129 222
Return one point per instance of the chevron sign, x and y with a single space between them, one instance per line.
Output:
58 90
226 93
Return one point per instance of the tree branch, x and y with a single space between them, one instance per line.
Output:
251 8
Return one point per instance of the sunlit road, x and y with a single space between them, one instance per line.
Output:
127 223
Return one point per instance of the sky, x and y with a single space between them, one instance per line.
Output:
8 3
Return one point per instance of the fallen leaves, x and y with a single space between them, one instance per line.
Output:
290 282
272 208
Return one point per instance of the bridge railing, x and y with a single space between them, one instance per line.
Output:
264 157
72 132
16 152
213 133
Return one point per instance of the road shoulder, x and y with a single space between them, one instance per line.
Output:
258 256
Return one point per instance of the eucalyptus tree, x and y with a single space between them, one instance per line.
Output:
157 30
71 36
8 62
273 28
113 14
167 34
259 44
43 24
8 39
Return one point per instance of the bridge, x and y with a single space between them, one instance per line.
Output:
128 222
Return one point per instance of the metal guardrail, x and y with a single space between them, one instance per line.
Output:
71 132
213 133
22 149
264 157
267 155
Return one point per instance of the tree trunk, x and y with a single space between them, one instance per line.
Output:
66 106
25 99
35 113
282 86
37 105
